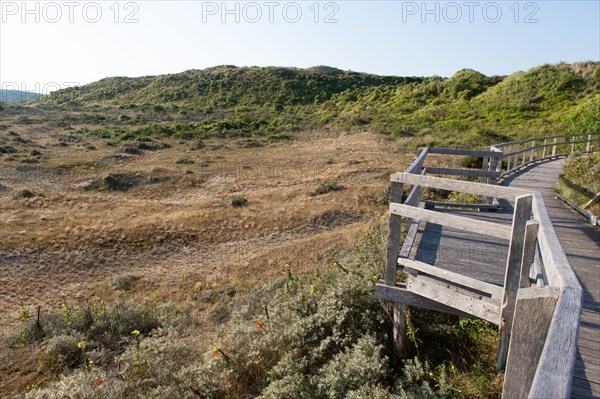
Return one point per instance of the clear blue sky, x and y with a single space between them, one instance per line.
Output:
385 37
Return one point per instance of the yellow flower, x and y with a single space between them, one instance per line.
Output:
135 333
81 344
431 374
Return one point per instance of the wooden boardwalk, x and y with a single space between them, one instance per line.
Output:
484 258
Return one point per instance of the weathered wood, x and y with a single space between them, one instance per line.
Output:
461 172
417 164
399 294
554 373
494 290
556 265
453 298
409 239
513 273
544 148
457 222
588 144
529 247
414 196
556 137
554 146
460 151
458 185
533 148
399 330
516 159
395 226
533 314
481 207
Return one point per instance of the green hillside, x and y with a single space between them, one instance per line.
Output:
466 109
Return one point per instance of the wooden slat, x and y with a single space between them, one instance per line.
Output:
533 313
417 164
460 151
462 186
457 222
441 204
494 290
461 172
453 298
399 294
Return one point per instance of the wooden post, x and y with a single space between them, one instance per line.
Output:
554 147
391 271
573 144
533 314
532 151
493 167
517 156
588 144
399 330
513 273
395 227
544 151
508 159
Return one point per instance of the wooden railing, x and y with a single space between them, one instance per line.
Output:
539 305
517 154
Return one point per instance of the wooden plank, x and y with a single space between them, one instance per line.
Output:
533 313
494 290
409 239
481 207
461 172
530 244
448 296
395 226
462 186
512 275
417 164
557 267
399 294
460 151
457 222
554 373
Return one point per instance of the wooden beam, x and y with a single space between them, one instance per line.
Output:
461 172
533 314
441 204
452 297
462 186
401 295
409 239
458 151
512 274
417 164
454 221
495 291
